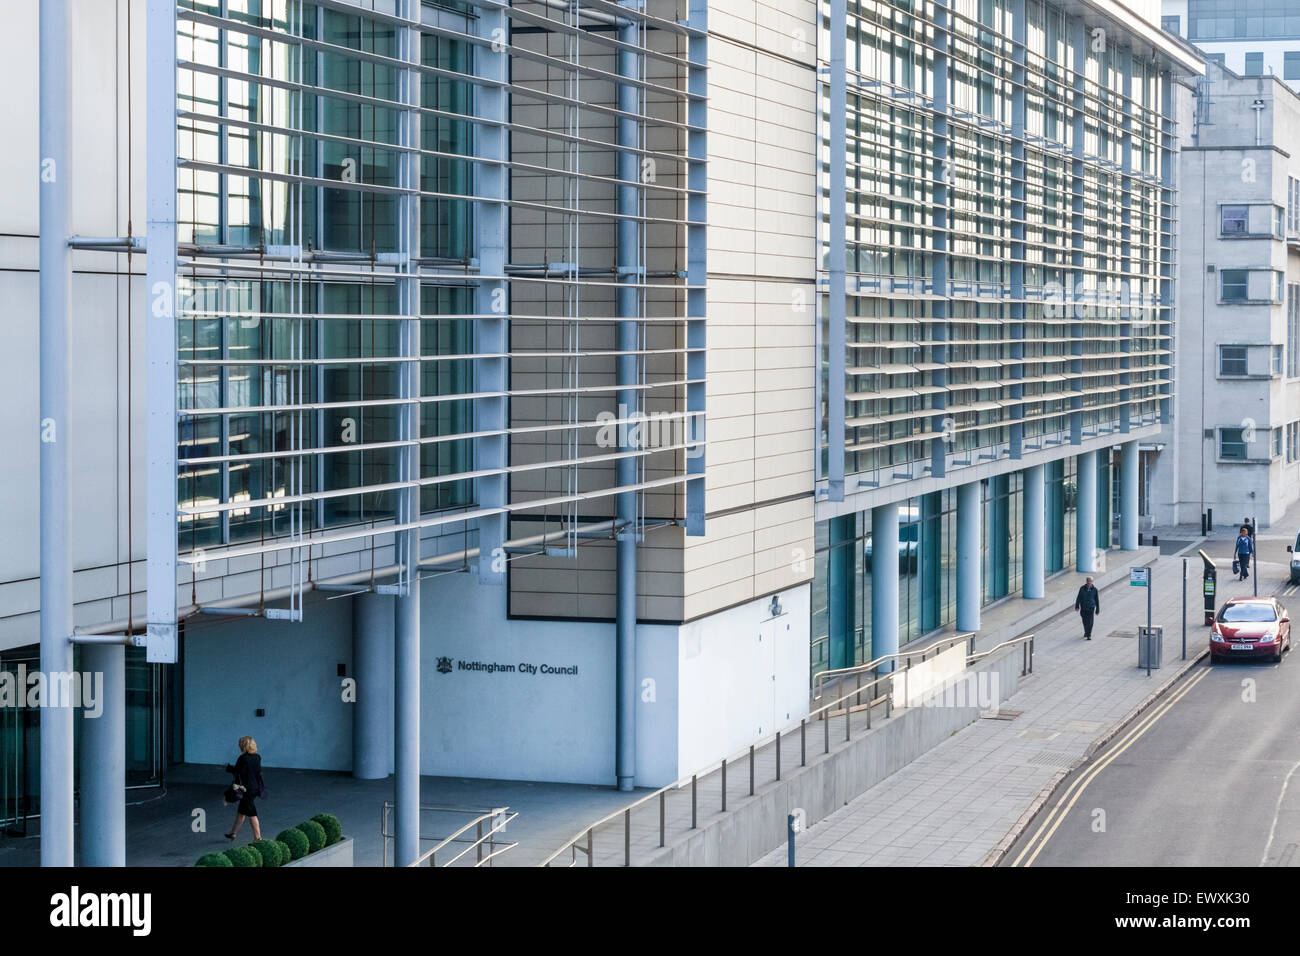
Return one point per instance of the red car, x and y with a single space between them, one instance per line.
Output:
1250 627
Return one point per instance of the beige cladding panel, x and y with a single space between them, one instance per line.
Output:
761 363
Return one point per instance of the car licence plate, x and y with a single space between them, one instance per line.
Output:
1243 647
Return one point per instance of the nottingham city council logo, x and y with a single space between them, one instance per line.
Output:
444 665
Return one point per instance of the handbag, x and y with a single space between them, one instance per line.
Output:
1236 566
234 793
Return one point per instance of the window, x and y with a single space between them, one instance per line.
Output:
1171 24
1254 64
1277 442
1216 58
1277 360
1293 441
1291 224
1232 360
1232 444
1235 220
1233 285
1293 330
1291 65
1279 222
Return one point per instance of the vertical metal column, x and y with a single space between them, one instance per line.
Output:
1085 514
969 556
1035 524
630 277
1128 495
697 180
160 332
943 177
492 326
835 252
1168 215
103 758
56 561
406 647
1073 294
884 581
373 669
1126 244
1020 36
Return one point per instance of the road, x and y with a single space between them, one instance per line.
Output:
1208 776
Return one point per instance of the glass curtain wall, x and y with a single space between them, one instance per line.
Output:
300 119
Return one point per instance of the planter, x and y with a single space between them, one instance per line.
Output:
336 854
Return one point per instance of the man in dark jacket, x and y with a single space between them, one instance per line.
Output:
1088 604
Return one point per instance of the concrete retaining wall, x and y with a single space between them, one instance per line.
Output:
336 854
757 825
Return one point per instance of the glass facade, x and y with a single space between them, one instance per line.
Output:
1242 19
927 558
1007 241
344 176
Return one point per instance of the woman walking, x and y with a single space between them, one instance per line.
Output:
248 774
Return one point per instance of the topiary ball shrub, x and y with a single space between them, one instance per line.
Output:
333 829
244 856
214 859
270 852
285 855
314 832
297 841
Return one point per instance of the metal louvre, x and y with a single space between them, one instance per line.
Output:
396 285
998 184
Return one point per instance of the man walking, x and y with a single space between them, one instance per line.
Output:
1243 549
1088 604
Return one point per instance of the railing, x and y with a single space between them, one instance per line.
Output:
859 669
582 843
823 714
1026 642
481 841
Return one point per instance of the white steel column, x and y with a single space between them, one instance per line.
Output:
1128 496
969 556
406 648
1035 524
56 562
103 758
884 581
1085 513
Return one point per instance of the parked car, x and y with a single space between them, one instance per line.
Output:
1251 627
1294 551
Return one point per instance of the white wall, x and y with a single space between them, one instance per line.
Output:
744 675
234 666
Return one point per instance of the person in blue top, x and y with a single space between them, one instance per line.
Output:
1243 549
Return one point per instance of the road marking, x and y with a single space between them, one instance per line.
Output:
1054 818
1277 812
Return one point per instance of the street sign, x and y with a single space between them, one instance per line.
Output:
1139 577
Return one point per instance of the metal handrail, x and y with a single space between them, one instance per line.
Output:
971 658
501 816
825 712
949 642
575 846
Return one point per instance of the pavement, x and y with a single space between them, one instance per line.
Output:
967 801
176 824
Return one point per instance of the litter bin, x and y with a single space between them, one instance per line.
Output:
1150 644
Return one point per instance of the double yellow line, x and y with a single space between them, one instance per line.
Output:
1071 795
1290 590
